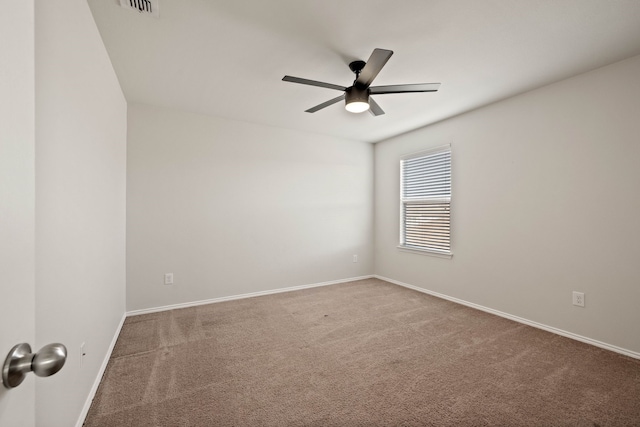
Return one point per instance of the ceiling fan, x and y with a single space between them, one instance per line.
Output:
357 96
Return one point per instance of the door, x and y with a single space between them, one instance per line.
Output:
17 197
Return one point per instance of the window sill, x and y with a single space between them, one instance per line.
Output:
425 252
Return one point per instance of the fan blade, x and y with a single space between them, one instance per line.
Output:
374 108
376 61
325 104
312 83
420 87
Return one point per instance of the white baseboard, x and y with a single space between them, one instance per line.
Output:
103 367
551 329
242 296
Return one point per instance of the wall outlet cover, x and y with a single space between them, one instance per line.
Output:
578 299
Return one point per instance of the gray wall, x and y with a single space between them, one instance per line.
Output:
80 202
232 208
545 202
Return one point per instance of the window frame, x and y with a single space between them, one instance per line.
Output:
428 200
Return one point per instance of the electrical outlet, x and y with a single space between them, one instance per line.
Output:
578 299
83 353
168 278
355 258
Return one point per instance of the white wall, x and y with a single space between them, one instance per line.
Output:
17 197
546 201
232 208
80 202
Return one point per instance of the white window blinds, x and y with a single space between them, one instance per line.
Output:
425 181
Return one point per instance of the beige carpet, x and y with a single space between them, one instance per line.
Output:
365 353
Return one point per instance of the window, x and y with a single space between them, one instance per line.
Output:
425 201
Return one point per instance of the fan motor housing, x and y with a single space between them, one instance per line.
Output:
354 94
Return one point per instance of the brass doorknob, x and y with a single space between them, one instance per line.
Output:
20 361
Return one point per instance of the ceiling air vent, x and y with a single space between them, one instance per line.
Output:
147 7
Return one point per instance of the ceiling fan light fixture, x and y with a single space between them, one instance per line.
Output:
357 107
356 100
356 97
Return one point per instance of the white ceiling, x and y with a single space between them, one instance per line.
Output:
227 57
